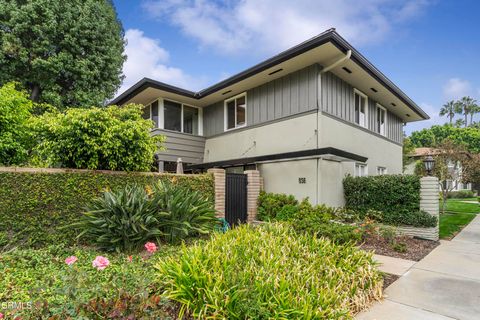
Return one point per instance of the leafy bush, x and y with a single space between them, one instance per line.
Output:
15 108
337 232
410 218
34 207
268 272
110 138
270 204
462 194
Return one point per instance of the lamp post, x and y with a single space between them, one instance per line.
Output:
429 164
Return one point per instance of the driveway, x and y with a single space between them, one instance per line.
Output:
444 285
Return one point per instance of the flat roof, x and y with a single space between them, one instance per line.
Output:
329 36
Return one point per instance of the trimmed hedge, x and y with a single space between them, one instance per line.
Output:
36 209
396 196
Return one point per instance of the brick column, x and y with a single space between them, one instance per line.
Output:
429 201
253 190
219 179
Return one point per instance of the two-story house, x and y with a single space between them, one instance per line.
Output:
304 118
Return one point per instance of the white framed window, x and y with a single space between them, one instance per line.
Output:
361 170
236 112
381 170
174 116
381 120
361 108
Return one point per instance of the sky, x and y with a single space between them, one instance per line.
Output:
429 48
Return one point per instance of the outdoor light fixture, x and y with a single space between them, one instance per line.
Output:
429 163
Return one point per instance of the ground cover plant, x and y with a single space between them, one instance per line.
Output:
270 271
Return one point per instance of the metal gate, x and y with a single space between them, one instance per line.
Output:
236 198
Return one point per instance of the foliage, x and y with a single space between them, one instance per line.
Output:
410 218
111 138
66 53
34 207
270 204
15 108
60 291
407 150
268 272
435 135
462 194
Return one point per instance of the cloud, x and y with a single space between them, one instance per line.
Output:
271 25
146 58
456 88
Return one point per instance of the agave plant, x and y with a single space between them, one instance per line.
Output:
184 212
122 220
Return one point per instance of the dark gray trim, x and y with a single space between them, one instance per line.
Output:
328 36
354 125
281 156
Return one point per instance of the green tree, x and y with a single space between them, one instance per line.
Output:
15 108
110 138
66 53
466 107
449 109
431 137
408 149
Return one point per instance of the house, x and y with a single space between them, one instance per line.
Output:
304 118
456 168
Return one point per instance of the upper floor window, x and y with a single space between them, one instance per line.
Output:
381 170
361 170
360 108
236 112
151 112
381 121
180 117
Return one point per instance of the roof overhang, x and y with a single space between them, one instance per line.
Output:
323 50
328 153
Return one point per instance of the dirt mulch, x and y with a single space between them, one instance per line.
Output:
388 279
417 249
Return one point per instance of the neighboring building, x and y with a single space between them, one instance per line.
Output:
420 153
304 118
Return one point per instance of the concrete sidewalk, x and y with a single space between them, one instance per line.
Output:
444 285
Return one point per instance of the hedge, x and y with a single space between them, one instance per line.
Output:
37 208
396 196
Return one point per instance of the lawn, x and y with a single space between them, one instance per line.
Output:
458 214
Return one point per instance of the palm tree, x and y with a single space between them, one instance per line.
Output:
473 111
449 109
465 106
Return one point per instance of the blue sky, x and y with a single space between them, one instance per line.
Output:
429 48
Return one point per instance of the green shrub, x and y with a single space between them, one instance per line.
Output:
270 272
337 232
110 138
35 206
270 204
462 194
399 247
410 218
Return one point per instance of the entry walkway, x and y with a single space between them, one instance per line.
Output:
444 285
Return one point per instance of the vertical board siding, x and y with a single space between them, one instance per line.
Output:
336 98
294 93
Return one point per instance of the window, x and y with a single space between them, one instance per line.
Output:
360 108
235 112
381 170
381 120
180 117
151 112
361 170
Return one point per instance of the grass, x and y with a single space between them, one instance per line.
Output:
457 215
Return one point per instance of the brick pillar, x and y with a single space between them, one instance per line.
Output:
219 179
253 190
429 201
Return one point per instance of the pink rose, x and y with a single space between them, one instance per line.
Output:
100 263
151 247
71 260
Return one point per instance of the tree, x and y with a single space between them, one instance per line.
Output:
475 109
452 166
466 106
449 109
66 53
408 149
110 138
431 137
15 110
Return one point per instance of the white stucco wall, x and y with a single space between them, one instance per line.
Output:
283 136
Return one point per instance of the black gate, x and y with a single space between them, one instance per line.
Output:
235 198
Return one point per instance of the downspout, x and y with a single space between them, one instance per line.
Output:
338 62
